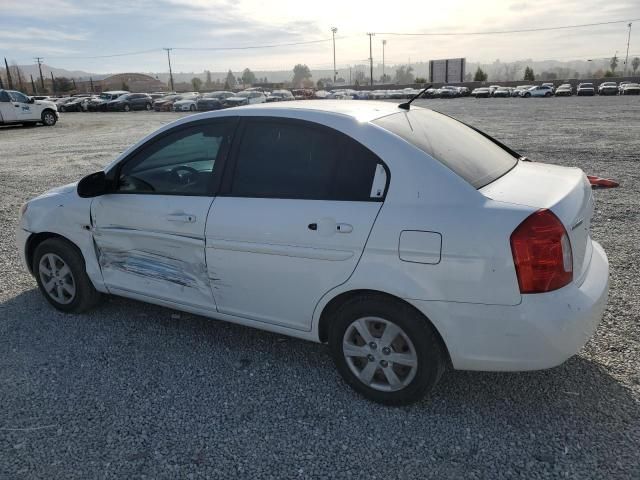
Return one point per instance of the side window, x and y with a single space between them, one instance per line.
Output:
19 97
182 162
4 97
297 160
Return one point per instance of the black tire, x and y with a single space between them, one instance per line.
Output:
192 108
49 118
126 107
430 353
85 295
61 108
148 107
527 95
548 94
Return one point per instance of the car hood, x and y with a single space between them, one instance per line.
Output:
62 190
237 99
184 102
46 103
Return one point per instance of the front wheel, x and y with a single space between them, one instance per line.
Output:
60 272
386 350
192 108
126 107
148 107
527 95
49 118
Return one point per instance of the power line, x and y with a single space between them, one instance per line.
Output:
502 32
254 47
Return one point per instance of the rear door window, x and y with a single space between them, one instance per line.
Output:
472 156
296 159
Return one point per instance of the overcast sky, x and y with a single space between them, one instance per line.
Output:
63 30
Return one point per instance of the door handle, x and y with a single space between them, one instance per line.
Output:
181 217
313 226
344 228
17 106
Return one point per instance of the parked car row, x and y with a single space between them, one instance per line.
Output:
564 90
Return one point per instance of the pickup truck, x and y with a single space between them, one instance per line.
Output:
16 107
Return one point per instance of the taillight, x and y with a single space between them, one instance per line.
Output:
542 253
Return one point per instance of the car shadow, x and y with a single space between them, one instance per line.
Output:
575 412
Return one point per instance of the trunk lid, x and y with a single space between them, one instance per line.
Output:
563 190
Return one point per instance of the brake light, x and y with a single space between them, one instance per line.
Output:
542 253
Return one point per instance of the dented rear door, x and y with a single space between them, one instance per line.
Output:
154 245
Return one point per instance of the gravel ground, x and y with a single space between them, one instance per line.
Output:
137 391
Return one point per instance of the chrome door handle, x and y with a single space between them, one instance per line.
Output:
181 217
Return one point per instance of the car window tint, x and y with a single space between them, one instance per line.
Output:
4 97
469 154
181 162
296 160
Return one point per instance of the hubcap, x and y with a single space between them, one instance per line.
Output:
57 279
380 354
48 118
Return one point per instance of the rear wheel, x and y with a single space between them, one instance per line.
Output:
386 350
60 272
548 94
192 108
126 107
148 107
527 95
49 118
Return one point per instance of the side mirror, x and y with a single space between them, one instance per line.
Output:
32 100
93 185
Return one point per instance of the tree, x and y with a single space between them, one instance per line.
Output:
63 84
230 81
248 78
480 76
359 77
635 63
386 78
208 83
528 74
124 85
609 74
614 63
404 74
301 73
196 83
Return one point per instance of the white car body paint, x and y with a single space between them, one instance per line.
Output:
16 112
264 268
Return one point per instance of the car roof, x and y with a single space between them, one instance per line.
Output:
361 111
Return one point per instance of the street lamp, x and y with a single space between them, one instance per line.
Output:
384 42
333 34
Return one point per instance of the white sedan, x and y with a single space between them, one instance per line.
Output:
405 239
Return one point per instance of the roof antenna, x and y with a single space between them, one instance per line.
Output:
407 105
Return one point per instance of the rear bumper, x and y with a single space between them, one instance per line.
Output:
541 332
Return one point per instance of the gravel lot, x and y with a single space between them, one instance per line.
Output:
137 391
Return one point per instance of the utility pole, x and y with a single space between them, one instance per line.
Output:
9 81
333 34
39 61
170 72
350 75
626 59
53 84
371 56
33 85
384 42
91 83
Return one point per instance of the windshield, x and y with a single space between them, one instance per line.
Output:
473 157
243 94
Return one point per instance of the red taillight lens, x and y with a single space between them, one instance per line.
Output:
542 253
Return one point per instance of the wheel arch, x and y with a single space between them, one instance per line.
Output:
336 302
36 239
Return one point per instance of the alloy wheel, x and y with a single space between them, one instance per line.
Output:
57 279
380 354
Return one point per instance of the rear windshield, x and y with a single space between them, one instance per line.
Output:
473 157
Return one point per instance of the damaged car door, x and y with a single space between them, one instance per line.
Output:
149 232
